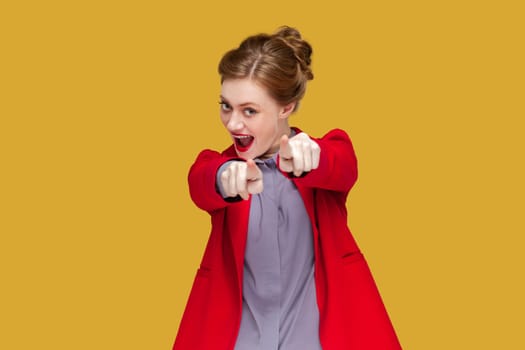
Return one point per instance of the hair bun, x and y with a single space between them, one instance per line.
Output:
301 48
280 62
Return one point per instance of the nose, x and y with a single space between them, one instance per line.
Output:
235 123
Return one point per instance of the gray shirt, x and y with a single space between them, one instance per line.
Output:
279 299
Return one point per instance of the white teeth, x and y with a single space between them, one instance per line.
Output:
241 136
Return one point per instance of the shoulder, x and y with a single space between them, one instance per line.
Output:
334 134
229 152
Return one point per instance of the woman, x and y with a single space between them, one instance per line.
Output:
281 269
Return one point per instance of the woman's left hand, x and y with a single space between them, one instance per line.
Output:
298 154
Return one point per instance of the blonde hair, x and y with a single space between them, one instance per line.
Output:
280 62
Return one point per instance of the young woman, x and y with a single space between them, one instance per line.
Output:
281 269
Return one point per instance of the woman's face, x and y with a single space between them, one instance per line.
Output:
255 121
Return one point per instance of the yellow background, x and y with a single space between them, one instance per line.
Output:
105 104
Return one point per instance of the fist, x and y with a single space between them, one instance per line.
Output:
299 154
242 178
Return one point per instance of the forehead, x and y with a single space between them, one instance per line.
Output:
241 91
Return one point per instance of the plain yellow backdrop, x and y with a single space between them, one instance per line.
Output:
105 104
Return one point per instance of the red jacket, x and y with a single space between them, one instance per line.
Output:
352 315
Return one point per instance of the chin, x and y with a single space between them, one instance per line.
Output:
247 154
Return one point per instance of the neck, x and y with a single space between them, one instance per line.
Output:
275 147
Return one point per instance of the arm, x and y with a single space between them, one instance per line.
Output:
239 179
202 180
337 169
217 180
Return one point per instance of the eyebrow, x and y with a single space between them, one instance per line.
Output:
241 105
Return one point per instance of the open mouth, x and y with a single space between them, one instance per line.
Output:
243 142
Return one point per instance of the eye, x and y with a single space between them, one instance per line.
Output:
250 112
225 106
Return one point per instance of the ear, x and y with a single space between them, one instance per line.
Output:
287 110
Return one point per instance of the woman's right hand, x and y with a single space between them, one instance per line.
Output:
242 178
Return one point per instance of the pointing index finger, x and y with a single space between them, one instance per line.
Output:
285 150
252 171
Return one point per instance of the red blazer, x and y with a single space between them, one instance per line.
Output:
352 314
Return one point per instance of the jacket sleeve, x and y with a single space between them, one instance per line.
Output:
337 170
202 181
